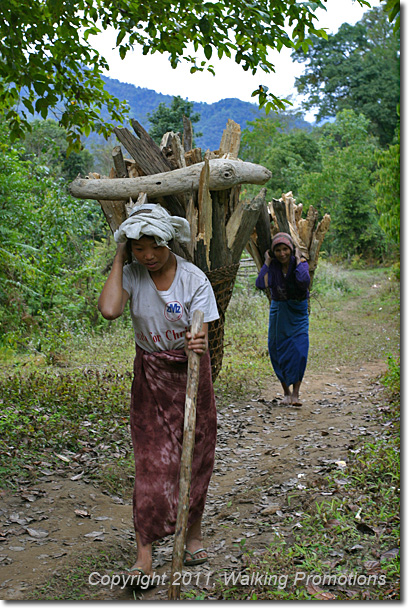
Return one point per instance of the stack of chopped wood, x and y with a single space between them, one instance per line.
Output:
284 215
203 190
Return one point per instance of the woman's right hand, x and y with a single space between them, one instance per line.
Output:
121 252
268 258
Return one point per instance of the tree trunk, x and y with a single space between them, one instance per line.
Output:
224 174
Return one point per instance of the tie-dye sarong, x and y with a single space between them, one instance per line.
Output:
157 418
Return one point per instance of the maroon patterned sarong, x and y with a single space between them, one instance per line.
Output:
157 419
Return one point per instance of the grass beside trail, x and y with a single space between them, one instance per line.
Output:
345 541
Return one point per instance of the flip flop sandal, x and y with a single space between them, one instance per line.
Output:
193 561
146 583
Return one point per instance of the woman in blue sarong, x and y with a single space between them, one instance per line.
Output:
286 273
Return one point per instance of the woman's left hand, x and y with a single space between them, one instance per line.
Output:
299 256
198 343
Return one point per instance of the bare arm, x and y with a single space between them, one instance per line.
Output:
199 343
113 297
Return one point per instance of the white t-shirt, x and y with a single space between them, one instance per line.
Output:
162 317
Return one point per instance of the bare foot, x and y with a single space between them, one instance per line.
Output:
287 400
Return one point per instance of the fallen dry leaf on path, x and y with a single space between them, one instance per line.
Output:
319 593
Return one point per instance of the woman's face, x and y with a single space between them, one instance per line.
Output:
148 253
282 253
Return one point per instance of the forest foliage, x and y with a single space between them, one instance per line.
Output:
47 58
56 250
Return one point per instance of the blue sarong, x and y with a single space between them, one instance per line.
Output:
288 339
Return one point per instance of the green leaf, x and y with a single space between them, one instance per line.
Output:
208 51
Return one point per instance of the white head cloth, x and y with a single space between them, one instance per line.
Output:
153 220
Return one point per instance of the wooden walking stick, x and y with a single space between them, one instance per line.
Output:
188 444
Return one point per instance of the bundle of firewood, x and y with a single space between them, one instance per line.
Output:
202 188
285 216
205 190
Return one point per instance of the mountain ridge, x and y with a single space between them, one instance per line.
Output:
213 116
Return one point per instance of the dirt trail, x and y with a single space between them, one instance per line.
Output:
264 453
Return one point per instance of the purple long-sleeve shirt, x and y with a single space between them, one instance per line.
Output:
294 286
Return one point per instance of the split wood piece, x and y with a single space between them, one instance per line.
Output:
119 163
133 169
290 208
147 156
298 213
192 218
230 141
223 174
317 240
279 211
219 253
171 148
142 199
193 156
255 251
150 160
263 233
205 221
242 222
306 226
188 445
188 136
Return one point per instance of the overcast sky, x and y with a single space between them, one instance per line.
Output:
154 71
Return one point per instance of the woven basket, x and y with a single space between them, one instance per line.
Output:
222 281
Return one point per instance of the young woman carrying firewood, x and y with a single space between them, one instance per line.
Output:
163 290
286 273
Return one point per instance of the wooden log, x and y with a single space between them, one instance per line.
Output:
205 212
298 212
279 211
193 156
188 136
287 216
143 150
188 444
149 158
171 148
114 212
192 218
306 226
254 251
317 241
241 224
219 253
233 202
263 230
133 169
224 174
119 162
230 141
290 208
